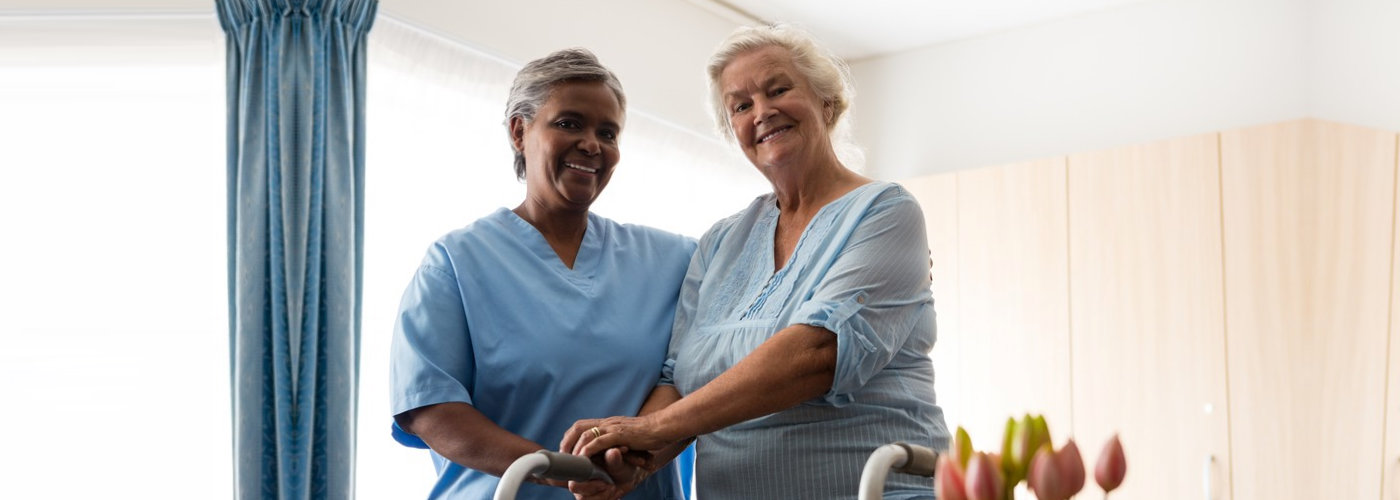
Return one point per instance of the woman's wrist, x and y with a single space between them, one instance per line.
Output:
668 425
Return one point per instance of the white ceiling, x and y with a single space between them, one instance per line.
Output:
855 29
867 28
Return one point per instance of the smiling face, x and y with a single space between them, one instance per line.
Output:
777 118
571 146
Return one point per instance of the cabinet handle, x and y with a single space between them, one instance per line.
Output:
1208 473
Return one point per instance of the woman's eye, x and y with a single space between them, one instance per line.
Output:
739 108
566 124
609 135
780 91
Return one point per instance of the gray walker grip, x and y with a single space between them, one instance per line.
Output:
921 462
566 467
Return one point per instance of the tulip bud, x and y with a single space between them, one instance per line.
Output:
948 480
1071 467
1031 433
1045 478
1010 466
962 447
1041 431
983 480
1112 465
1021 447
1032 478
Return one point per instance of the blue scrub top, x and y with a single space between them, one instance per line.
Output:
494 319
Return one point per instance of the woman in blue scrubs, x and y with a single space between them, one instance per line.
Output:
531 318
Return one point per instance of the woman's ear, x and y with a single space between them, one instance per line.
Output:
829 111
517 133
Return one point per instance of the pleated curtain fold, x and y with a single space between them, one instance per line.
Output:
296 94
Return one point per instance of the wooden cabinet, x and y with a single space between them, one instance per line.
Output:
1308 229
1013 311
938 196
1147 314
1226 302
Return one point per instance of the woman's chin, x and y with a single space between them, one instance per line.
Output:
775 162
582 199
580 193
778 155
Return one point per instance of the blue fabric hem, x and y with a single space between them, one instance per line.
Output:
407 439
839 318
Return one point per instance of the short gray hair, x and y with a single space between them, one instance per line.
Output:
828 75
535 81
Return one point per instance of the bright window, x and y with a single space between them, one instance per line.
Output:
113 318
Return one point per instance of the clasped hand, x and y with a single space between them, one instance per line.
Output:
621 446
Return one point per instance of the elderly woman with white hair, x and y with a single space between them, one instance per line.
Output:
802 334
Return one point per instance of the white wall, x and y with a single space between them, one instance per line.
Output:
1142 72
1132 74
657 48
1355 62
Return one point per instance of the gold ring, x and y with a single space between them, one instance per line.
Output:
597 433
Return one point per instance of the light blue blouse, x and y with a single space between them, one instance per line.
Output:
494 319
860 270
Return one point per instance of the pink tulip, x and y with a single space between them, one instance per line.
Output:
1112 465
983 478
1056 475
1045 478
948 481
1071 466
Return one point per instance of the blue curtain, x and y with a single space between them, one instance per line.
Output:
296 87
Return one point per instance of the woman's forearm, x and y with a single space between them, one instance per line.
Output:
660 397
460 433
797 364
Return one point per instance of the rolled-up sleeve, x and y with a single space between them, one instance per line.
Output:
431 358
875 294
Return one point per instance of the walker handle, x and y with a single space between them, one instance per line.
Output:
921 462
567 467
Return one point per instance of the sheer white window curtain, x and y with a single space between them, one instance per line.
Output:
113 319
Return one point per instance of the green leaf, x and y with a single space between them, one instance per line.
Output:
962 446
1011 470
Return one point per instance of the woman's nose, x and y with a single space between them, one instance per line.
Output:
589 146
763 111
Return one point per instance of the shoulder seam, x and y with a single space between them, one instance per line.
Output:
443 272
